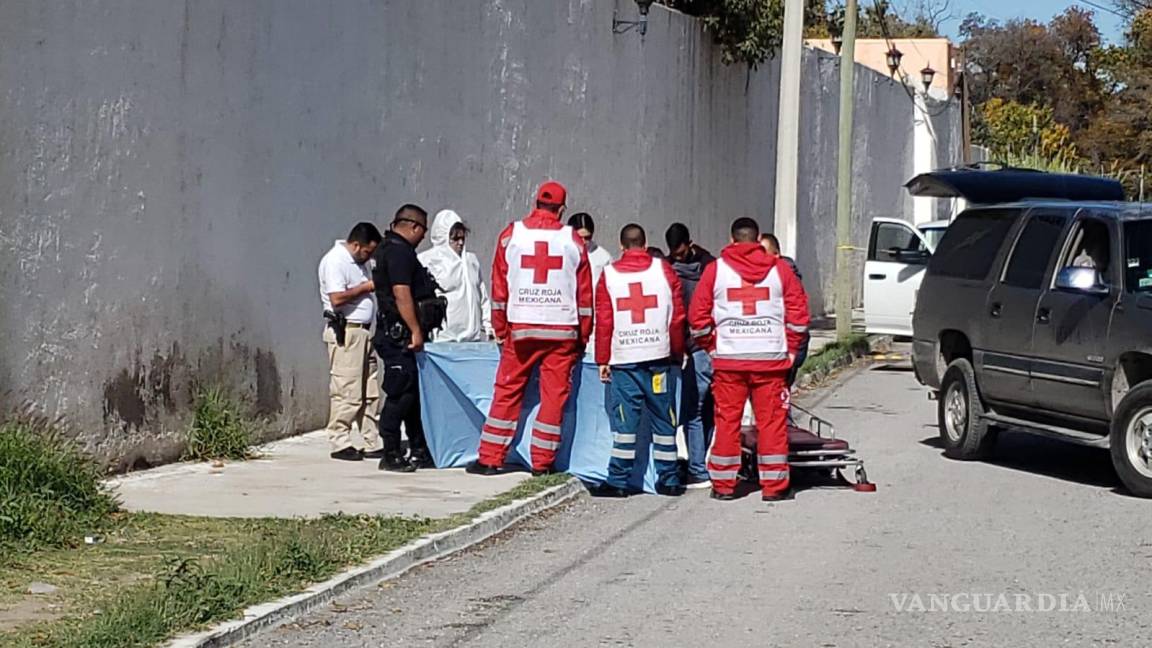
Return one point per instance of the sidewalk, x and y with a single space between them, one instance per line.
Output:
823 330
295 478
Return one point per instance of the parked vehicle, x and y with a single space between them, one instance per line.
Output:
898 252
1035 313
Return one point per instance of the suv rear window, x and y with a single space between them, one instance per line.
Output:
970 245
1138 256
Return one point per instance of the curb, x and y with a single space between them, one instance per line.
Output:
391 565
813 378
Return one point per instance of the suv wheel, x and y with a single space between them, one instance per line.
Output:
1131 440
963 430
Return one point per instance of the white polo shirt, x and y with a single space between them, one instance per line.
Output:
339 272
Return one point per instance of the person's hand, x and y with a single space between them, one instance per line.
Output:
417 343
605 374
366 287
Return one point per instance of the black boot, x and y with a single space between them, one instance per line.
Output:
782 496
540 472
723 497
477 468
607 490
670 490
375 454
421 459
395 462
348 454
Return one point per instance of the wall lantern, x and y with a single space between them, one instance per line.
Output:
837 43
641 25
926 77
894 56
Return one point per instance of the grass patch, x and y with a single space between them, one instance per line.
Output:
158 575
219 429
835 353
50 493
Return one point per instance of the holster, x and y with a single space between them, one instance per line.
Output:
339 325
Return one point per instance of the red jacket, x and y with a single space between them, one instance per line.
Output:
539 219
636 261
752 262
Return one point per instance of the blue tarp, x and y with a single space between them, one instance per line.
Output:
456 385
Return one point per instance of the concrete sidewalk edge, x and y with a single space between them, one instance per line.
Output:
392 565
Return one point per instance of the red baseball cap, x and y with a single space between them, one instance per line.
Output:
552 193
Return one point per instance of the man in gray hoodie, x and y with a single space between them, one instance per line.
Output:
689 261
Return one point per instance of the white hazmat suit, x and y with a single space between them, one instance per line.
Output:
469 313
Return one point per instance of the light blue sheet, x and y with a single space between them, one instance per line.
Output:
456 385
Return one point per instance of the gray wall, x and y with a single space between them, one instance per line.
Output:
170 173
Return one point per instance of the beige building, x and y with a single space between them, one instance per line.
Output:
918 53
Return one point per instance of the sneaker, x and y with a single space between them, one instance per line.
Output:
396 463
696 483
723 497
348 454
666 490
477 468
421 460
782 496
608 491
375 454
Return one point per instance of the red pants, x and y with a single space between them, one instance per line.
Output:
517 360
770 403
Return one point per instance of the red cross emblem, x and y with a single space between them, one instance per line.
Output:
540 263
748 295
637 302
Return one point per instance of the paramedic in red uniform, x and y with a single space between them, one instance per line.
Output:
639 335
542 315
751 314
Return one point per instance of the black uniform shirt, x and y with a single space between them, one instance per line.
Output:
397 265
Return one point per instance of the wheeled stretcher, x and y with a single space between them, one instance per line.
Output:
812 446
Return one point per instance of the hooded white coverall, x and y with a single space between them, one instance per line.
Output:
469 313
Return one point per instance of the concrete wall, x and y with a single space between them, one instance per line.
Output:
170 172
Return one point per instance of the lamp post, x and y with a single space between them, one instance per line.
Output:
844 266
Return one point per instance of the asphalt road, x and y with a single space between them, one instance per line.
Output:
944 554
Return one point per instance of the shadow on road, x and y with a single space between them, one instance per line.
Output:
1050 458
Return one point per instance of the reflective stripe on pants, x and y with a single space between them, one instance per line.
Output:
770 402
628 398
517 360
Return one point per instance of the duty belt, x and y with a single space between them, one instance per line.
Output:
357 325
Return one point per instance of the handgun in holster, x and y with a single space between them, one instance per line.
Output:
339 325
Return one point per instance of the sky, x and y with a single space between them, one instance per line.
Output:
1041 10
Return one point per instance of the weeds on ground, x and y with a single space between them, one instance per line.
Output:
50 493
828 358
219 428
203 571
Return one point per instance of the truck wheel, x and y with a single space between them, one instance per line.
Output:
963 429
1131 440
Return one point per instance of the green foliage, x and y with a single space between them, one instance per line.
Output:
1012 130
750 31
50 493
219 430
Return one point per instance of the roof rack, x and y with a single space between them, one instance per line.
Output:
979 185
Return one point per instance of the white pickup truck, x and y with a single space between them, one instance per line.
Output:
898 253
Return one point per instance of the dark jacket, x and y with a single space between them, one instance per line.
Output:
689 271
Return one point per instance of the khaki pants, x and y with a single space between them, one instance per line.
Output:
354 389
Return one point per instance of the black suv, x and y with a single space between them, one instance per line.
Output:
1035 313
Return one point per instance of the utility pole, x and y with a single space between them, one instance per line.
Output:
965 111
788 129
844 265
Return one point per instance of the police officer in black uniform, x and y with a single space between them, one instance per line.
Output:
403 285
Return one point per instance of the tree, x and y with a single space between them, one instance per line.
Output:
1013 130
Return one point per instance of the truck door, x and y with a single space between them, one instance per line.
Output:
1071 335
897 258
1005 361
